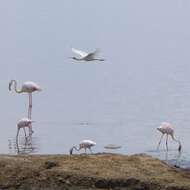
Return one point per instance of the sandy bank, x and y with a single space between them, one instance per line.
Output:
102 171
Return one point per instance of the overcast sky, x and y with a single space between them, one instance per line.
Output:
145 43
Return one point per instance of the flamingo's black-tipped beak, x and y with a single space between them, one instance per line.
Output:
10 83
40 89
159 129
180 148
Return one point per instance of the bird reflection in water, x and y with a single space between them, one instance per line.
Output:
175 161
23 145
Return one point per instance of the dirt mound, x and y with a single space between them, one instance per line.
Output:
84 172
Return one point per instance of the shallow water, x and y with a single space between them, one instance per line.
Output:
143 82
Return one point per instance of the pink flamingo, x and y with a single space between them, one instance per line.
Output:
166 128
27 87
83 144
22 123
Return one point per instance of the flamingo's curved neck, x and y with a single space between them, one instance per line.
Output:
180 146
77 149
15 86
74 147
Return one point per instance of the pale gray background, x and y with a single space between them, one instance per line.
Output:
145 79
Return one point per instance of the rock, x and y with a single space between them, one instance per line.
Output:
50 164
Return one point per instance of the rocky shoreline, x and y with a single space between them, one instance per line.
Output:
85 172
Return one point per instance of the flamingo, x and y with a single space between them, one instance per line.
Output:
27 87
22 123
83 144
86 56
167 128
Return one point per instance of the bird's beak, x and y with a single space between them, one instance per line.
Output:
179 148
10 83
158 128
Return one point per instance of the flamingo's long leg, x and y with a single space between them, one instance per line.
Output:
17 146
90 150
30 113
30 106
17 135
166 156
160 141
24 131
167 142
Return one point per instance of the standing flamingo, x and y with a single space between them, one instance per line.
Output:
83 144
166 128
27 87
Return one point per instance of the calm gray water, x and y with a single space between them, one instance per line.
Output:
145 79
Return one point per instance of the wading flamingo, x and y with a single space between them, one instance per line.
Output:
86 144
27 87
22 123
86 56
166 128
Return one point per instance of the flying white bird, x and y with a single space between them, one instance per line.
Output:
86 144
86 56
22 123
166 128
27 87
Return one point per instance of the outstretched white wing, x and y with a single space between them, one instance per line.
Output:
92 55
79 52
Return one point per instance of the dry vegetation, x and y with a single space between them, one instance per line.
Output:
101 171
